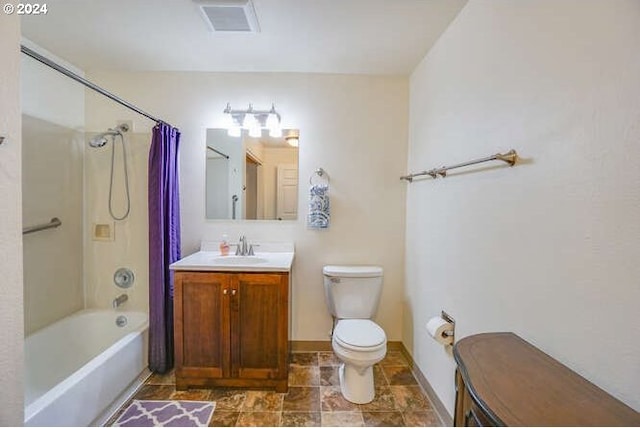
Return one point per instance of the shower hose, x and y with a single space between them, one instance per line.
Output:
126 177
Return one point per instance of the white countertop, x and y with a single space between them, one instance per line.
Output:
272 257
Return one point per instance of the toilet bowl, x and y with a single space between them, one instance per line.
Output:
359 344
352 294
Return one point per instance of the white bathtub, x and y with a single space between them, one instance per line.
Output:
76 367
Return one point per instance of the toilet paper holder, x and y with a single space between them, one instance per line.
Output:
448 318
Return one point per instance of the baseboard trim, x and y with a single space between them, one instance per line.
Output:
325 345
445 418
310 345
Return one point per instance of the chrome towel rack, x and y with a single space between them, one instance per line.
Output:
510 157
53 223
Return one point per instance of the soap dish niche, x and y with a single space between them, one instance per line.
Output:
103 231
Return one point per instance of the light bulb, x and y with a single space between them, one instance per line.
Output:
228 121
234 131
249 121
272 119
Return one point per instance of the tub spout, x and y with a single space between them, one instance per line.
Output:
119 300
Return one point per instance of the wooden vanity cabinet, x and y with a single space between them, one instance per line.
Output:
231 329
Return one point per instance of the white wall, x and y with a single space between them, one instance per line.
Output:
49 95
11 316
548 249
352 126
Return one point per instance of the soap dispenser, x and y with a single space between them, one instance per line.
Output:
224 246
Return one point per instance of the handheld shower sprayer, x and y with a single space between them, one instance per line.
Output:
98 141
101 140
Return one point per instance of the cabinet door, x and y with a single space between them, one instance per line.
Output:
201 324
259 320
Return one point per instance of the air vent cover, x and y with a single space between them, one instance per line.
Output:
229 15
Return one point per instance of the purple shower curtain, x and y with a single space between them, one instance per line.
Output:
164 243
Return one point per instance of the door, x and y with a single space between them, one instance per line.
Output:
201 324
259 319
287 192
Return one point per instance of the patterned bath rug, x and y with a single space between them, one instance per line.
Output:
163 413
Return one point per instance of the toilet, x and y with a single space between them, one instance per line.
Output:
352 294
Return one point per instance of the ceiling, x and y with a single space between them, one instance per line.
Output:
383 37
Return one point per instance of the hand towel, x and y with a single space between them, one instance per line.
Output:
319 213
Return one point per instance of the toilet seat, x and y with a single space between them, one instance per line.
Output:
359 335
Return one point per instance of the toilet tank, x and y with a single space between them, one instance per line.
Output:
352 291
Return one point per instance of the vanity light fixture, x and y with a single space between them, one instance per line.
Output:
292 137
253 120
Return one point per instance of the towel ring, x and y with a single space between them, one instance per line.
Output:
320 173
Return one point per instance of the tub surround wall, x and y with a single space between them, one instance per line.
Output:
352 126
53 121
130 246
11 303
52 187
547 249
58 100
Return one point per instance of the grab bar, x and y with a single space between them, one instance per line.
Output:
55 222
234 200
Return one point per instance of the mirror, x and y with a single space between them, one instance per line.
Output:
251 178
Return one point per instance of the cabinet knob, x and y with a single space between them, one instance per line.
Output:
233 292
225 291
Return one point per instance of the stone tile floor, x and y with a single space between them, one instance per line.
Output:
314 397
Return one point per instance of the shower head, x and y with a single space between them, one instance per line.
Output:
101 139
98 141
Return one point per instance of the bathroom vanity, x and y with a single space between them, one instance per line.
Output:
231 320
503 380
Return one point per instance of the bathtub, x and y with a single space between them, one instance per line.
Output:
76 367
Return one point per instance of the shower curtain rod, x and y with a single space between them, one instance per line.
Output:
46 61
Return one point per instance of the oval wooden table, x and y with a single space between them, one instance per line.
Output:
503 380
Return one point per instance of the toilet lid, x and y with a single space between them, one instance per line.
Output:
352 271
359 333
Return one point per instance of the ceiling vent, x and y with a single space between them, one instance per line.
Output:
229 16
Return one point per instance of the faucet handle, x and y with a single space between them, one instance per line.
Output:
251 253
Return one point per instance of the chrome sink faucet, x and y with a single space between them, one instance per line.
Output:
242 249
119 300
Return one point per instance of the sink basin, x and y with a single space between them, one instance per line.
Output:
239 260
272 257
